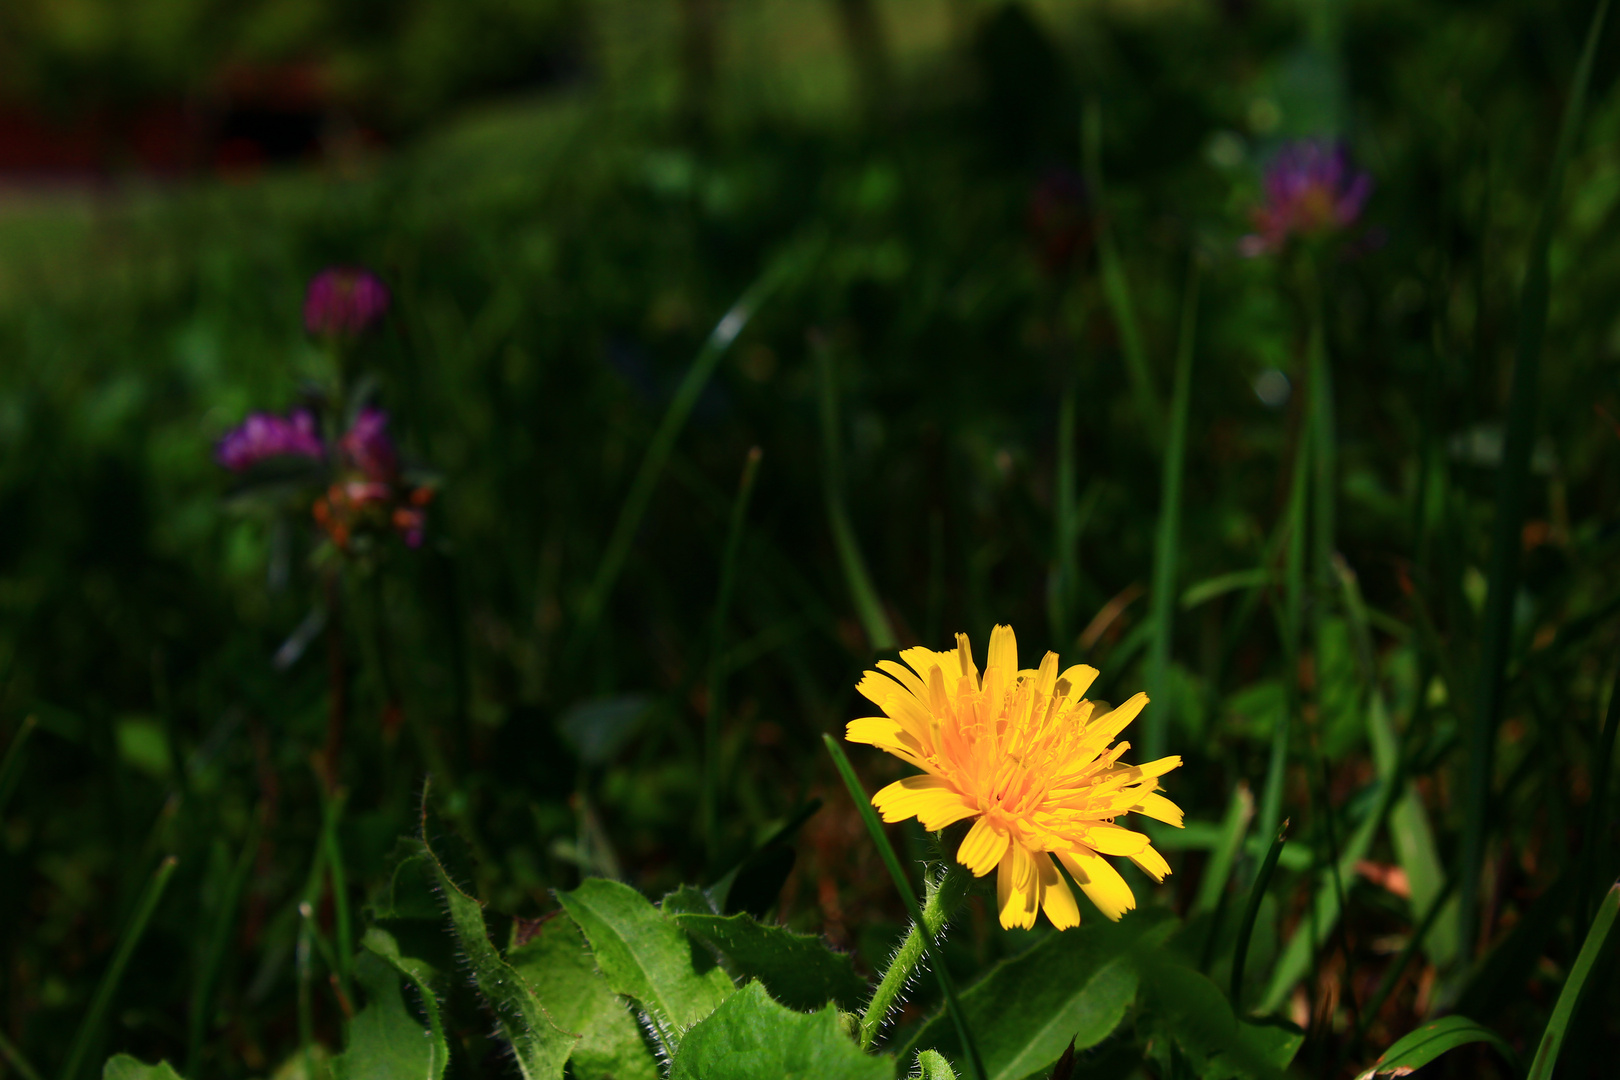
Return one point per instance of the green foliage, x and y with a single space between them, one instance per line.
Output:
799 970
125 1067
750 1037
646 957
1417 1048
561 971
385 1042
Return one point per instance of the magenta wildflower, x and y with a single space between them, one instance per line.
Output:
344 301
1312 190
367 445
262 436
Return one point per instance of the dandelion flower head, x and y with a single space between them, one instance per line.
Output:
1025 754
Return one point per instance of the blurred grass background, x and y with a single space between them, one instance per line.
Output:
565 199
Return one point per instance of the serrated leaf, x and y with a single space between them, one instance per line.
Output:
751 1037
647 957
124 1067
1417 1048
1075 985
560 970
540 1047
385 1041
799 970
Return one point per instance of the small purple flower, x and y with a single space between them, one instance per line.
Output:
344 301
262 436
1311 191
368 446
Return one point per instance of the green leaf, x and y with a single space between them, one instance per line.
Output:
1570 995
124 1067
646 957
559 968
931 1065
1076 985
541 1048
751 1037
1195 1012
799 970
1417 1048
385 1041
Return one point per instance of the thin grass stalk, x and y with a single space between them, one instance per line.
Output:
1392 976
342 925
892 863
1116 285
11 764
1292 615
1512 482
1595 817
658 451
15 1059
213 958
1167 544
89 1032
1251 909
717 663
868 608
1324 450
1552 1039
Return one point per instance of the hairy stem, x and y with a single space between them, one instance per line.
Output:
944 895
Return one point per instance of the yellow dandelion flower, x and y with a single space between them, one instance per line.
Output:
1025 753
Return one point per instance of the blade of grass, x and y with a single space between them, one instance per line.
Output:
1116 286
1292 617
213 957
89 1031
1512 481
15 1059
1060 590
663 441
717 666
1234 827
342 928
1553 1038
1324 454
11 765
1392 976
892 863
874 620
1257 892
1595 817
1167 544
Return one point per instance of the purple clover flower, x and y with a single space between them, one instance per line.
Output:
368 446
263 435
344 301
1312 190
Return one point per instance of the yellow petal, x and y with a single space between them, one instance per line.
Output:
1045 679
905 677
1160 809
1151 863
1115 722
924 660
1003 653
885 734
893 699
1113 840
1017 888
1099 881
925 797
1078 680
964 660
1057 899
981 848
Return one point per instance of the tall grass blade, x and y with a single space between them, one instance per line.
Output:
1060 599
1595 817
1392 975
717 665
892 862
11 764
1324 456
342 925
89 1032
663 442
1557 1027
1116 286
868 608
1234 828
1512 480
1292 617
214 947
1251 910
1167 544
15 1059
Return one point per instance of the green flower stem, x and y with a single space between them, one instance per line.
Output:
944 895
